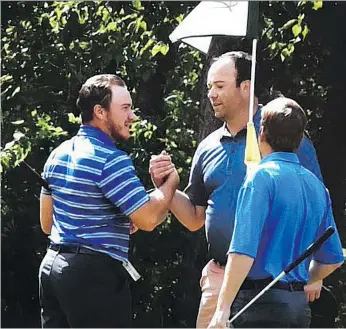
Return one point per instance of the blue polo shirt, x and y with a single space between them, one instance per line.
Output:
94 188
217 173
282 208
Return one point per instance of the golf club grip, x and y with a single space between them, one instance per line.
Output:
313 247
43 183
38 177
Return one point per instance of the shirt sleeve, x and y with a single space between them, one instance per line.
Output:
308 157
45 191
120 184
196 188
45 176
331 251
251 213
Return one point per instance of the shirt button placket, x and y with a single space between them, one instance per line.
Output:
230 158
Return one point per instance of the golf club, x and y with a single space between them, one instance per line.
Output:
37 176
312 248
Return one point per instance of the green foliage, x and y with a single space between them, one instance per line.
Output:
287 41
282 39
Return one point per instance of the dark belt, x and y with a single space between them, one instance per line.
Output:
262 283
73 249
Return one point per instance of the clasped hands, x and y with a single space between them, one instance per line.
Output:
162 168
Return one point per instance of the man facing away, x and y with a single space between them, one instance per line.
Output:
94 194
218 171
282 208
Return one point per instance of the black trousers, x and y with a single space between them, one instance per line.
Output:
80 290
275 309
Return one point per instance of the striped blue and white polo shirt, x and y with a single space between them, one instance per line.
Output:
94 188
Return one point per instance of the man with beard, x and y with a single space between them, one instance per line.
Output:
218 171
93 196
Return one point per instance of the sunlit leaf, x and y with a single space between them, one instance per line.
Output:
147 45
18 122
137 4
18 135
305 31
6 78
160 47
302 3
84 44
317 5
289 23
17 90
73 119
112 26
144 25
296 29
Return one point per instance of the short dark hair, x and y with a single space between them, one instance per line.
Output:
97 90
242 63
283 123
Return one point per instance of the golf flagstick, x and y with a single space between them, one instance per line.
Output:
312 248
252 153
37 176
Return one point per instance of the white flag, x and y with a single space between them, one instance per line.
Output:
217 18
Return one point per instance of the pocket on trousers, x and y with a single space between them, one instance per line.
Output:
47 263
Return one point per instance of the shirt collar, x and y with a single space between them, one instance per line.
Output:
281 156
256 119
87 130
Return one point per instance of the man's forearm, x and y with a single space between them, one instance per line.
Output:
46 213
318 271
237 269
186 212
161 199
153 213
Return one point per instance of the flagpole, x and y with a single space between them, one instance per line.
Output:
252 153
253 76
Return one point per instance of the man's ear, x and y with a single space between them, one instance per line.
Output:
245 87
261 136
98 112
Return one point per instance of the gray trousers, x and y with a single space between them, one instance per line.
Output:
275 309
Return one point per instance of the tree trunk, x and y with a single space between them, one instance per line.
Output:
331 147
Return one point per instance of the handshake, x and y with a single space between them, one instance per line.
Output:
162 169
165 179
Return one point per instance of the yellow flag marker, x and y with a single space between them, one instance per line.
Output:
252 153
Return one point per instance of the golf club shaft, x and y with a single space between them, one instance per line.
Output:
312 248
37 176
262 292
